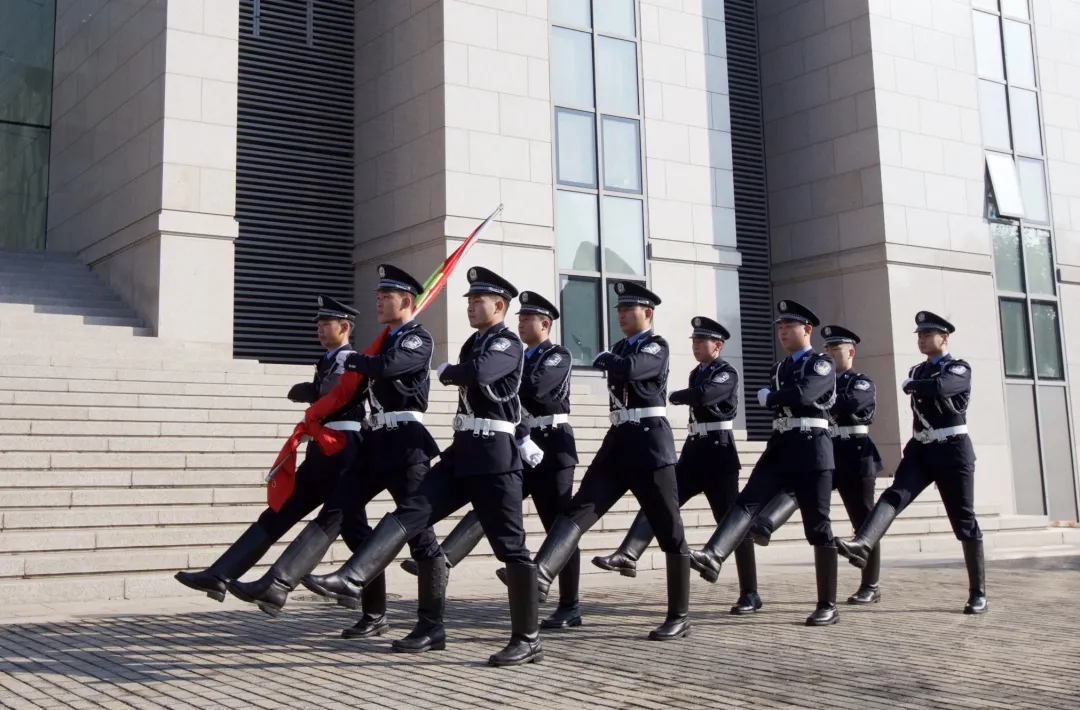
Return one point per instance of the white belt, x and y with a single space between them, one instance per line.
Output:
482 427
623 416
344 426
550 420
703 428
846 432
801 423
390 420
931 435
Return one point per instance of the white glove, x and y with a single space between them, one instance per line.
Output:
530 452
907 382
762 395
441 368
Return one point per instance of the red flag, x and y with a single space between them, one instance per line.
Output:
282 477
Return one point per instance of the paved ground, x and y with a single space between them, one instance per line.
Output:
914 650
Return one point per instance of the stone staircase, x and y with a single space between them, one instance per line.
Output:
124 458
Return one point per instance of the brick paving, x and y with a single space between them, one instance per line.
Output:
914 650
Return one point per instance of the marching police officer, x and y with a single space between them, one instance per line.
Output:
483 467
545 416
709 462
637 454
395 456
939 451
857 459
316 477
798 456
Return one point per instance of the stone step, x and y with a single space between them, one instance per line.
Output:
105 309
68 321
74 331
38 373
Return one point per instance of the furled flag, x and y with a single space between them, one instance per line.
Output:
282 477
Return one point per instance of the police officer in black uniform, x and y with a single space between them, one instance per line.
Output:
798 456
394 456
709 462
316 477
939 451
637 454
857 459
483 467
545 421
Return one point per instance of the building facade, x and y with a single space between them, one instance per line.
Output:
219 162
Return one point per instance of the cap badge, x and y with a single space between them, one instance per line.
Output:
320 302
472 274
783 306
525 297
921 317
620 288
697 322
827 331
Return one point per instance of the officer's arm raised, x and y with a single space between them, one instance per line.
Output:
718 388
859 396
808 388
496 362
550 375
411 354
955 379
648 362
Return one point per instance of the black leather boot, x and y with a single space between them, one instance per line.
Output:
775 513
976 569
271 591
746 564
523 590
363 567
239 558
677 623
729 534
624 560
428 634
373 605
568 613
825 560
857 550
559 546
869 591
462 540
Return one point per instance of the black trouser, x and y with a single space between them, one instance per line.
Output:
656 491
721 488
346 512
495 497
812 491
317 479
938 463
856 491
551 491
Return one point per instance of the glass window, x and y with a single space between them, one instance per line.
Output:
615 333
1033 187
988 46
575 142
622 155
616 76
1025 121
577 231
994 115
24 185
990 5
1039 260
1007 266
571 68
26 60
1044 323
570 12
1019 58
615 17
1014 339
1005 184
624 235
1015 8
581 322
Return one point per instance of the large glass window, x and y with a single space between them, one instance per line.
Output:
599 176
26 76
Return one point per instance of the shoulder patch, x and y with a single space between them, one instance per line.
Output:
822 367
500 344
721 377
412 342
861 385
958 369
651 348
553 360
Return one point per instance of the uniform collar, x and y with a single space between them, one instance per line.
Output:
529 353
634 338
331 353
939 358
402 327
795 357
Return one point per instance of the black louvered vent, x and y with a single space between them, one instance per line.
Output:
751 208
294 172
